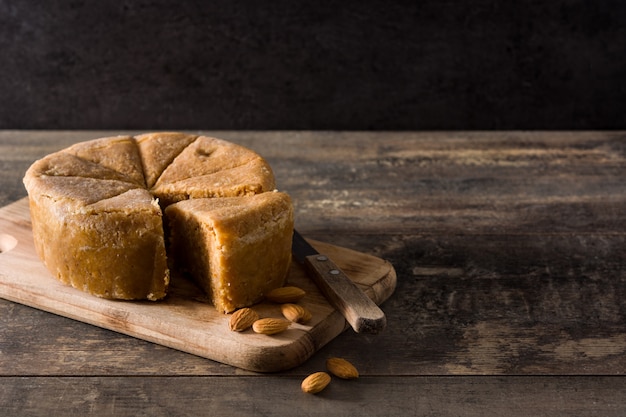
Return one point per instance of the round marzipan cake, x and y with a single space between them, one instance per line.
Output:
99 210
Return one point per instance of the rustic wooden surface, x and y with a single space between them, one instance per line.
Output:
510 250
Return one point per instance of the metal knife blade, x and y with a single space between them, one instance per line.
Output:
359 310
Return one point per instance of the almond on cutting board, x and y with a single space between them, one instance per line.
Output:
295 313
270 325
242 319
288 294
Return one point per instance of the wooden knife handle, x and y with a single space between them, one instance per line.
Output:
359 310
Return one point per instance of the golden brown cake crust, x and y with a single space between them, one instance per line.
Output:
211 167
107 248
158 151
236 248
99 203
119 153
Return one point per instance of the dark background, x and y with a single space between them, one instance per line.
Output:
370 65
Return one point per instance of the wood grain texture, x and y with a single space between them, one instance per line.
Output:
510 253
372 396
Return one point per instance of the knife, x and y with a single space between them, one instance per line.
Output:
359 310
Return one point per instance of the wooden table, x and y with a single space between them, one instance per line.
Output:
510 250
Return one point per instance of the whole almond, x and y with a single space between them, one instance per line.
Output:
285 295
341 368
316 382
295 313
270 325
242 319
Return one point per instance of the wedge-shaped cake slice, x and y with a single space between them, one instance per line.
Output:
236 249
211 167
61 164
158 150
119 153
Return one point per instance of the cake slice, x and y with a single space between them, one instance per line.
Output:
119 153
61 164
236 248
158 151
211 167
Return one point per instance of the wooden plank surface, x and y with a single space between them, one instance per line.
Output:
157 396
510 253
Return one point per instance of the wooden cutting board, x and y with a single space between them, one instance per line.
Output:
186 320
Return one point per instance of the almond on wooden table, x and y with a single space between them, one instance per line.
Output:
288 294
242 319
315 382
341 368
